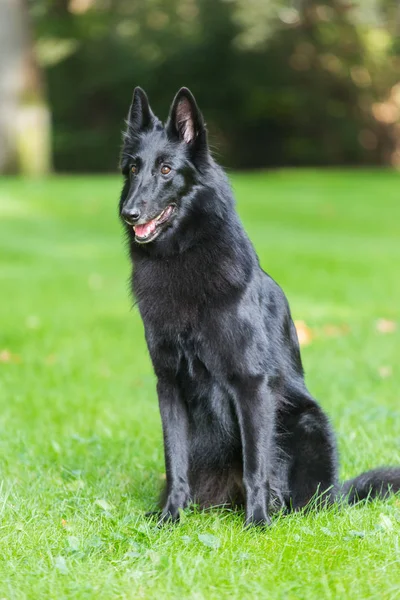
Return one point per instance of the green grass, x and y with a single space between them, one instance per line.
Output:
80 439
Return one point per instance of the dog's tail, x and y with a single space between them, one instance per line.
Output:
377 483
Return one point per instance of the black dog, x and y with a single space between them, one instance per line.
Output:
239 423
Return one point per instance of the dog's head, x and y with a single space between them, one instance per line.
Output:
161 165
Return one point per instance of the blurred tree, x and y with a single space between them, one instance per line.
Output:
24 117
293 82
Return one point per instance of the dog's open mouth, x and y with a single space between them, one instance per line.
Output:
149 231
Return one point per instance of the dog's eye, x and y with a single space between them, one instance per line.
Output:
134 169
165 169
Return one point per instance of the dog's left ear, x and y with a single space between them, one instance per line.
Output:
185 120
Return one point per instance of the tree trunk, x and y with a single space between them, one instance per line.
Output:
24 115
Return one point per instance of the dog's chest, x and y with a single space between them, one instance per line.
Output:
198 376
170 295
168 309
192 357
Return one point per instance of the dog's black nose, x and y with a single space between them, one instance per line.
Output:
131 215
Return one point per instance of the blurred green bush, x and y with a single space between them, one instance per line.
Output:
280 83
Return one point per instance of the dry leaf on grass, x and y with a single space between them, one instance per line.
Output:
8 357
304 333
5 356
335 330
102 503
386 326
385 371
209 540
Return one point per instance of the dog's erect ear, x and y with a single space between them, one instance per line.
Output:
185 120
140 115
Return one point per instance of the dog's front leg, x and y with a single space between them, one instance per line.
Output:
255 412
176 448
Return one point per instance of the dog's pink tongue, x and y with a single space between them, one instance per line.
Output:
146 229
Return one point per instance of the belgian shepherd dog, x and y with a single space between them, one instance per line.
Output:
239 425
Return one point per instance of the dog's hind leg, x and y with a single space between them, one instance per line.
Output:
309 447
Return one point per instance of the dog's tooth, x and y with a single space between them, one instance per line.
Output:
162 213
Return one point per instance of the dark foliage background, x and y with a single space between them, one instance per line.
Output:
280 83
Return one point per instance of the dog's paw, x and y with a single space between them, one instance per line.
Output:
169 514
257 518
153 514
162 517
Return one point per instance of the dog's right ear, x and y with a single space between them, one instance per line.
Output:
140 116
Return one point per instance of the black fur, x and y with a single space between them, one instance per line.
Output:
239 424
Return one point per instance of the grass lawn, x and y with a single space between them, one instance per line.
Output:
80 437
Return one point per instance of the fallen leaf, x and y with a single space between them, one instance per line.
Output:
75 485
386 326
385 522
73 543
8 357
63 523
385 371
209 540
5 356
61 565
104 504
95 542
304 333
185 539
335 330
